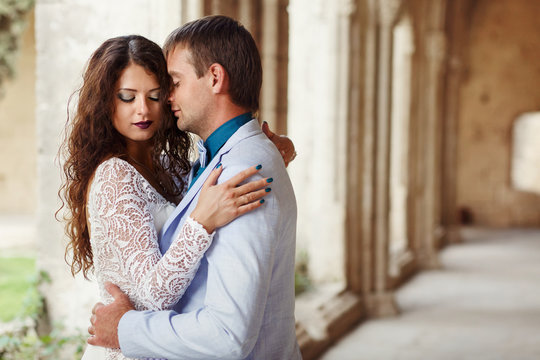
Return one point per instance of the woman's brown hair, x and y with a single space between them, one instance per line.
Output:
91 137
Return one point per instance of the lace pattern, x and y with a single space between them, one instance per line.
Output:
121 209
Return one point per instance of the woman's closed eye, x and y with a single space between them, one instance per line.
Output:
154 96
127 98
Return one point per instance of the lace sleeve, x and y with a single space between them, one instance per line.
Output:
124 240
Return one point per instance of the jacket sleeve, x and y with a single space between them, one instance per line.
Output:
240 263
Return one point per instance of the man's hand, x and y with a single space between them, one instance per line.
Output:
283 143
105 318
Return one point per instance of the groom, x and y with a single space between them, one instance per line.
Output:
240 304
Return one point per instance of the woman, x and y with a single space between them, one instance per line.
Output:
126 166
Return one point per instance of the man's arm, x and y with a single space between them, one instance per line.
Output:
105 318
239 273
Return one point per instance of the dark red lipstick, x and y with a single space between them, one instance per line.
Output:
143 124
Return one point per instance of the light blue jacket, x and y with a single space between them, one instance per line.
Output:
240 304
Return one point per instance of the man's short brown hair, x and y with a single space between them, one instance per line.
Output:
220 39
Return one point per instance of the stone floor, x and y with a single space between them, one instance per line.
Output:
484 304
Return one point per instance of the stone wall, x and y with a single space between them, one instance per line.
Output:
501 82
18 134
66 34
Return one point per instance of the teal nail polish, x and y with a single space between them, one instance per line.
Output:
218 166
258 167
269 180
268 189
262 201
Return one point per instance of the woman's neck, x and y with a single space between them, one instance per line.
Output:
140 153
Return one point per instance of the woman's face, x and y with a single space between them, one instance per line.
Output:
137 112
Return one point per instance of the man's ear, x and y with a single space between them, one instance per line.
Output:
219 78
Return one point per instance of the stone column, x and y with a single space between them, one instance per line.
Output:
381 301
190 10
431 128
267 20
275 53
361 142
66 35
317 121
458 19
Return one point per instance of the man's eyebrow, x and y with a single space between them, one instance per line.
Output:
174 73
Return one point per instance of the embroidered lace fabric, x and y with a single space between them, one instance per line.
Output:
122 209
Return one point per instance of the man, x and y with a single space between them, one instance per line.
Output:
240 304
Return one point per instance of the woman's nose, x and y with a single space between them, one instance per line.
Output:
142 107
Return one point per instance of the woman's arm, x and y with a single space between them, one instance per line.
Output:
125 246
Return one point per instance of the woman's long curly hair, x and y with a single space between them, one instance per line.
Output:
91 137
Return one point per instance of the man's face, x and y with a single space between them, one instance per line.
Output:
190 98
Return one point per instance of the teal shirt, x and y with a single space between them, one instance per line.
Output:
218 138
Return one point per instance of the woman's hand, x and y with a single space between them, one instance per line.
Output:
220 204
283 143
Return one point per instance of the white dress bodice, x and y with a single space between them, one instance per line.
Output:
125 214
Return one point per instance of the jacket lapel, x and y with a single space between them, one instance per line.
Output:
249 129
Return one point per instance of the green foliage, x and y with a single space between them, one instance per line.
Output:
25 343
15 282
12 24
302 282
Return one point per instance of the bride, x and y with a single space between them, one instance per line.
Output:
126 166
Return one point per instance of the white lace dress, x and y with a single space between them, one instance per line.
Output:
125 214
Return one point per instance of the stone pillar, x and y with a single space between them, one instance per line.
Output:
275 56
267 21
381 301
65 39
361 142
190 10
429 128
458 19
318 112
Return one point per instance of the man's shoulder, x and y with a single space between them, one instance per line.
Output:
255 147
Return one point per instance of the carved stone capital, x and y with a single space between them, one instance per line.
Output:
388 11
323 9
436 45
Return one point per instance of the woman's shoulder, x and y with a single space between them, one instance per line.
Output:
114 168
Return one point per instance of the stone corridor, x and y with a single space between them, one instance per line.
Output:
483 304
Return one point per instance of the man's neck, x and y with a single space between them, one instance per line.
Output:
219 118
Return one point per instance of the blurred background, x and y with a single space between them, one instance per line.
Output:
417 178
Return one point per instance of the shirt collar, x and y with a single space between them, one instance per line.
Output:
220 136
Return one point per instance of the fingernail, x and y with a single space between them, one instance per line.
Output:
258 167
218 166
262 201
268 189
269 180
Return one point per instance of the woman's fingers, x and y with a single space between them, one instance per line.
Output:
251 197
249 207
252 186
214 175
242 175
266 130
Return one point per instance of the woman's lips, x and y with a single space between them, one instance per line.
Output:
143 124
